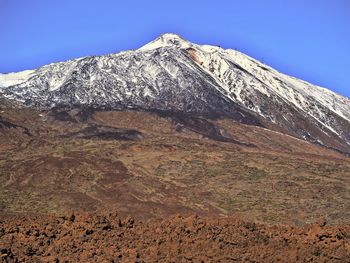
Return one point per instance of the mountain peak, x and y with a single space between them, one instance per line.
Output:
170 35
191 78
165 40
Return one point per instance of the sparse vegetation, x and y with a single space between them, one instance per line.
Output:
280 179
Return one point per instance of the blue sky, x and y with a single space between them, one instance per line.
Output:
308 39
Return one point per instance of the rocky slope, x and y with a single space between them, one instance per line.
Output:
158 164
173 74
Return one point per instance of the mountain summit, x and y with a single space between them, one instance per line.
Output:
173 74
165 40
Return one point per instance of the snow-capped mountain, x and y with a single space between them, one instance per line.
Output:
173 74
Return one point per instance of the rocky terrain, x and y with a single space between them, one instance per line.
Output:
106 237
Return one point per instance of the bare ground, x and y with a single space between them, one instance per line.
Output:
257 192
106 237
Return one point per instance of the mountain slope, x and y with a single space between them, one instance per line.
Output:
148 165
172 74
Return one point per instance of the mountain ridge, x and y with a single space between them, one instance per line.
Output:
171 73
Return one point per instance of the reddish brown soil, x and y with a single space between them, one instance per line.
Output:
147 165
108 238
153 167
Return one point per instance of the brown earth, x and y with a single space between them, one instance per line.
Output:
156 165
153 166
106 237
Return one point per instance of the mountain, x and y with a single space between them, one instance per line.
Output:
173 74
173 128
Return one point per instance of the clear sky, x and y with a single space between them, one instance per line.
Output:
308 39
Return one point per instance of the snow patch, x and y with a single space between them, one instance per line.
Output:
166 40
11 79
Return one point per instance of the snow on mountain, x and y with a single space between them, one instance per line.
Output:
11 79
171 73
315 101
